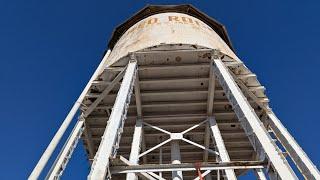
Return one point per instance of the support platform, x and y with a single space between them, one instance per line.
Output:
177 113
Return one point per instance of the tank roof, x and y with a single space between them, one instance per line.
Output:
150 10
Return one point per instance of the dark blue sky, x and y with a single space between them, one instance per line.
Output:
48 51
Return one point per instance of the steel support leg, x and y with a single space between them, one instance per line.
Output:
135 147
66 152
299 157
250 122
176 159
113 130
55 140
223 153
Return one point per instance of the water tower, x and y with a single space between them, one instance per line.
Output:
171 100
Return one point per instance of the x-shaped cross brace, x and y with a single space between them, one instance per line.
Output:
177 136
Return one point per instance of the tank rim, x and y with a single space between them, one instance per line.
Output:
150 10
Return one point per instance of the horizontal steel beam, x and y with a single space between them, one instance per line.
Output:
186 167
242 144
177 127
160 80
175 92
163 67
144 175
193 151
168 116
181 66
168 103
166 51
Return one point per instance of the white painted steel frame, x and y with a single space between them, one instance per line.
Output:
210 103
55 140
67 150
247 116
135 147
168 67
206 175
175 152
176 159
302 161
223 153
160 159
154 169
145 175
106 149
105 92
299 157
138 130
183 167
155 147
210 106
88 138
173 137
139 109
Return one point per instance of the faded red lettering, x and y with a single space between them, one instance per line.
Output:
186 20
152 20
173 18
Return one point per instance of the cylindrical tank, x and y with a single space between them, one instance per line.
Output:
168 28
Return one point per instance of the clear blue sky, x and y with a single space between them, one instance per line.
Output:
49 49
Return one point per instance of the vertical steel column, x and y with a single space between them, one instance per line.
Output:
211 89
100 164
55 140
299 157
223 154
218 174
176 159
139 109
160 159
210 101
251 122
135 147
88 138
